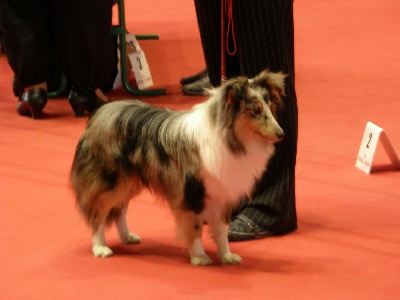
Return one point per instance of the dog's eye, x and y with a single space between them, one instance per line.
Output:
257 109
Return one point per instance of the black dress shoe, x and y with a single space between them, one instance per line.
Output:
18 89
193 78
198 87
78 102
95 102
32 103
84 101
241 228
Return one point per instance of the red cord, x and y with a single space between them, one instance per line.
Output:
226 11
230 31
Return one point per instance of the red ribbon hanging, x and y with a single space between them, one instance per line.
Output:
226 33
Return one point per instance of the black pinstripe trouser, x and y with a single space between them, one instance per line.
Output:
264 36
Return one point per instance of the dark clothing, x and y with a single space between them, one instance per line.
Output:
264 37
28 39
85 48
74 34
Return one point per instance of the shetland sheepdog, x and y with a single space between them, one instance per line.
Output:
202 161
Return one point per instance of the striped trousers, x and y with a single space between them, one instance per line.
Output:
264 36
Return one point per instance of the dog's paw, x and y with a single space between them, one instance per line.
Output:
231 259
101 251
131 239
201 260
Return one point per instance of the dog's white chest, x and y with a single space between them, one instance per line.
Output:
230 177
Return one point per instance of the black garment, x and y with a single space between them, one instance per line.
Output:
264 37
1 43
28 39
76 34
84 44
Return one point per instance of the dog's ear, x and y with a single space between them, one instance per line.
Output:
274 82
235 90
232 92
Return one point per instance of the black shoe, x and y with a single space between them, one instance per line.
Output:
84 101
18 89
198 87
32 102
78 102
193 78
241 228
95 102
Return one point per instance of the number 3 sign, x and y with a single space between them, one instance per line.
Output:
372 135
138 62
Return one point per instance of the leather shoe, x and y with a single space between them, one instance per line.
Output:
81 102
198 87
241 228
95 102
193 78
78 102
32 102
18 89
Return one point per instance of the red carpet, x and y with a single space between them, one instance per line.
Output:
348 242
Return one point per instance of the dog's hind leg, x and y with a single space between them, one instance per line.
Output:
99 247
124 234
97 221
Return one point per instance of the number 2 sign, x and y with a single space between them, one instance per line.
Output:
372 135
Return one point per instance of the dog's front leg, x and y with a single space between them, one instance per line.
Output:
220 234
198 256
190 228
125 235
218 220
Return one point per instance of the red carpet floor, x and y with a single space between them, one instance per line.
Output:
348 242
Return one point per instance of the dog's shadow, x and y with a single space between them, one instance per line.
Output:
156 253
150 250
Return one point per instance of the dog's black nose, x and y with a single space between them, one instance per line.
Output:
280 134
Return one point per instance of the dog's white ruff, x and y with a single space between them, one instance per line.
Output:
225 175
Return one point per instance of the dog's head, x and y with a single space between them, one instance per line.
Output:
253 105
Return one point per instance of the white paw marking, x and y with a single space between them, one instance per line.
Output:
201 260
131 239
101 251
231 259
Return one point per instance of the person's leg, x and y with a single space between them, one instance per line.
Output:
264 37
208 14
84 43
264 34
85 49
28 42
27 38
1 42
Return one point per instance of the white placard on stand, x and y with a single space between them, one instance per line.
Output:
139 64
372 135
141 69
